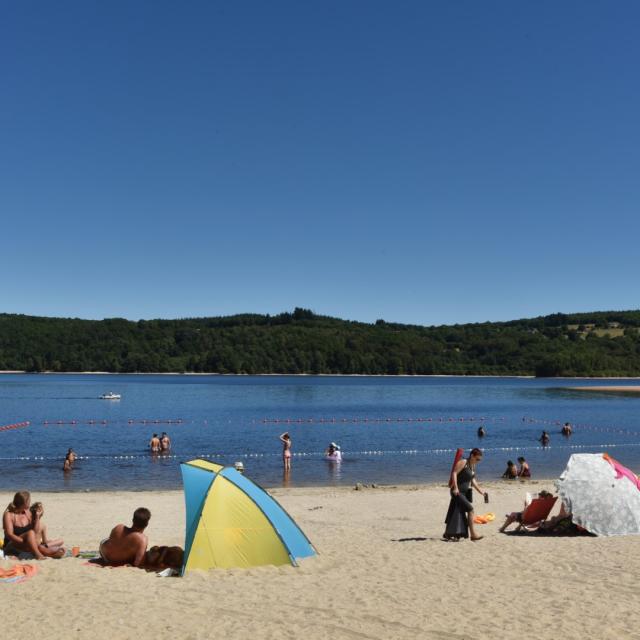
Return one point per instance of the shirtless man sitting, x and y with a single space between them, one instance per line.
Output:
127 545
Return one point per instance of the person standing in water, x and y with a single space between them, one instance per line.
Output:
285 438
154 443
460 515
481 432
165 442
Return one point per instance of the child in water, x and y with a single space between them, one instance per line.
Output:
512 472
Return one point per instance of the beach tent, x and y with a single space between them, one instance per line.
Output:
602 494
232 522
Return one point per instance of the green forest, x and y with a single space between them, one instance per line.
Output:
585 344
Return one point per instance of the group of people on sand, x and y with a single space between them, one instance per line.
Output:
160 444
460 516
25 535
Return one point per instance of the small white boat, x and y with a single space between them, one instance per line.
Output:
110 396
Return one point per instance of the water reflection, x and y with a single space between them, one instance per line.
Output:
334 469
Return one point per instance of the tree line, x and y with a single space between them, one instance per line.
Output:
304 342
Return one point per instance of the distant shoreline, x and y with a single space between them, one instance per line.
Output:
320 375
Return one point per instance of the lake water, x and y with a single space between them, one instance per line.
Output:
391 430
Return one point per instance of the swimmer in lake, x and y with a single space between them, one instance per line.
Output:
165 442
154 443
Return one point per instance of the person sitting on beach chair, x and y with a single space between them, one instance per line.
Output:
127 545
535 512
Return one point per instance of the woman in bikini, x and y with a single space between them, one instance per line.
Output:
23 531
285 438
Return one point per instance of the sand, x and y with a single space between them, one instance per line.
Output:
383 572
616 389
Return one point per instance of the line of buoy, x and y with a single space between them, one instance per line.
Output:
321 454
105 422
17 425
440 419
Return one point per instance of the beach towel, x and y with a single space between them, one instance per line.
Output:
17 573
564 528
484 519
82 554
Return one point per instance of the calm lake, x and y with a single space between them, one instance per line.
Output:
391 430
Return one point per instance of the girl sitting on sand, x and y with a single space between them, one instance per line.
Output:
23 531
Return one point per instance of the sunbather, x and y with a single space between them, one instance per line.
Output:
23 531
516 516
127 545
551 523
161 558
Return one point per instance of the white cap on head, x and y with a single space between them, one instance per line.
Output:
239 466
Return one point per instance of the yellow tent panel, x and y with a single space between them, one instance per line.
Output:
234 532
205 464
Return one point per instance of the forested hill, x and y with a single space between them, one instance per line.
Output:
586 344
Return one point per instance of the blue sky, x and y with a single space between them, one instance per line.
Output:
419 162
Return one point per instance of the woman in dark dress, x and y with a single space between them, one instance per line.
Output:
460 515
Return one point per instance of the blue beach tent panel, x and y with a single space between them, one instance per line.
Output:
196 483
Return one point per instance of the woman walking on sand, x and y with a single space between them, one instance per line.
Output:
285 438
460 515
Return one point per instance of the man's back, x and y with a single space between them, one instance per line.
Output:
124 546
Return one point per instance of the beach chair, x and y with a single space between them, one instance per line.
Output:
537 511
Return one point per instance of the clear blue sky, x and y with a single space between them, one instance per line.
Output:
420 162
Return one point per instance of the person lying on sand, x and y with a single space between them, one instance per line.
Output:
25 533
127 545
161 558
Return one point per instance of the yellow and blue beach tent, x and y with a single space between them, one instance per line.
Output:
232 522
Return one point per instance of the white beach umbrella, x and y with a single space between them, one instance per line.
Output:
599 501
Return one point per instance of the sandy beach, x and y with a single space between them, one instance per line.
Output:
612 389
382 572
